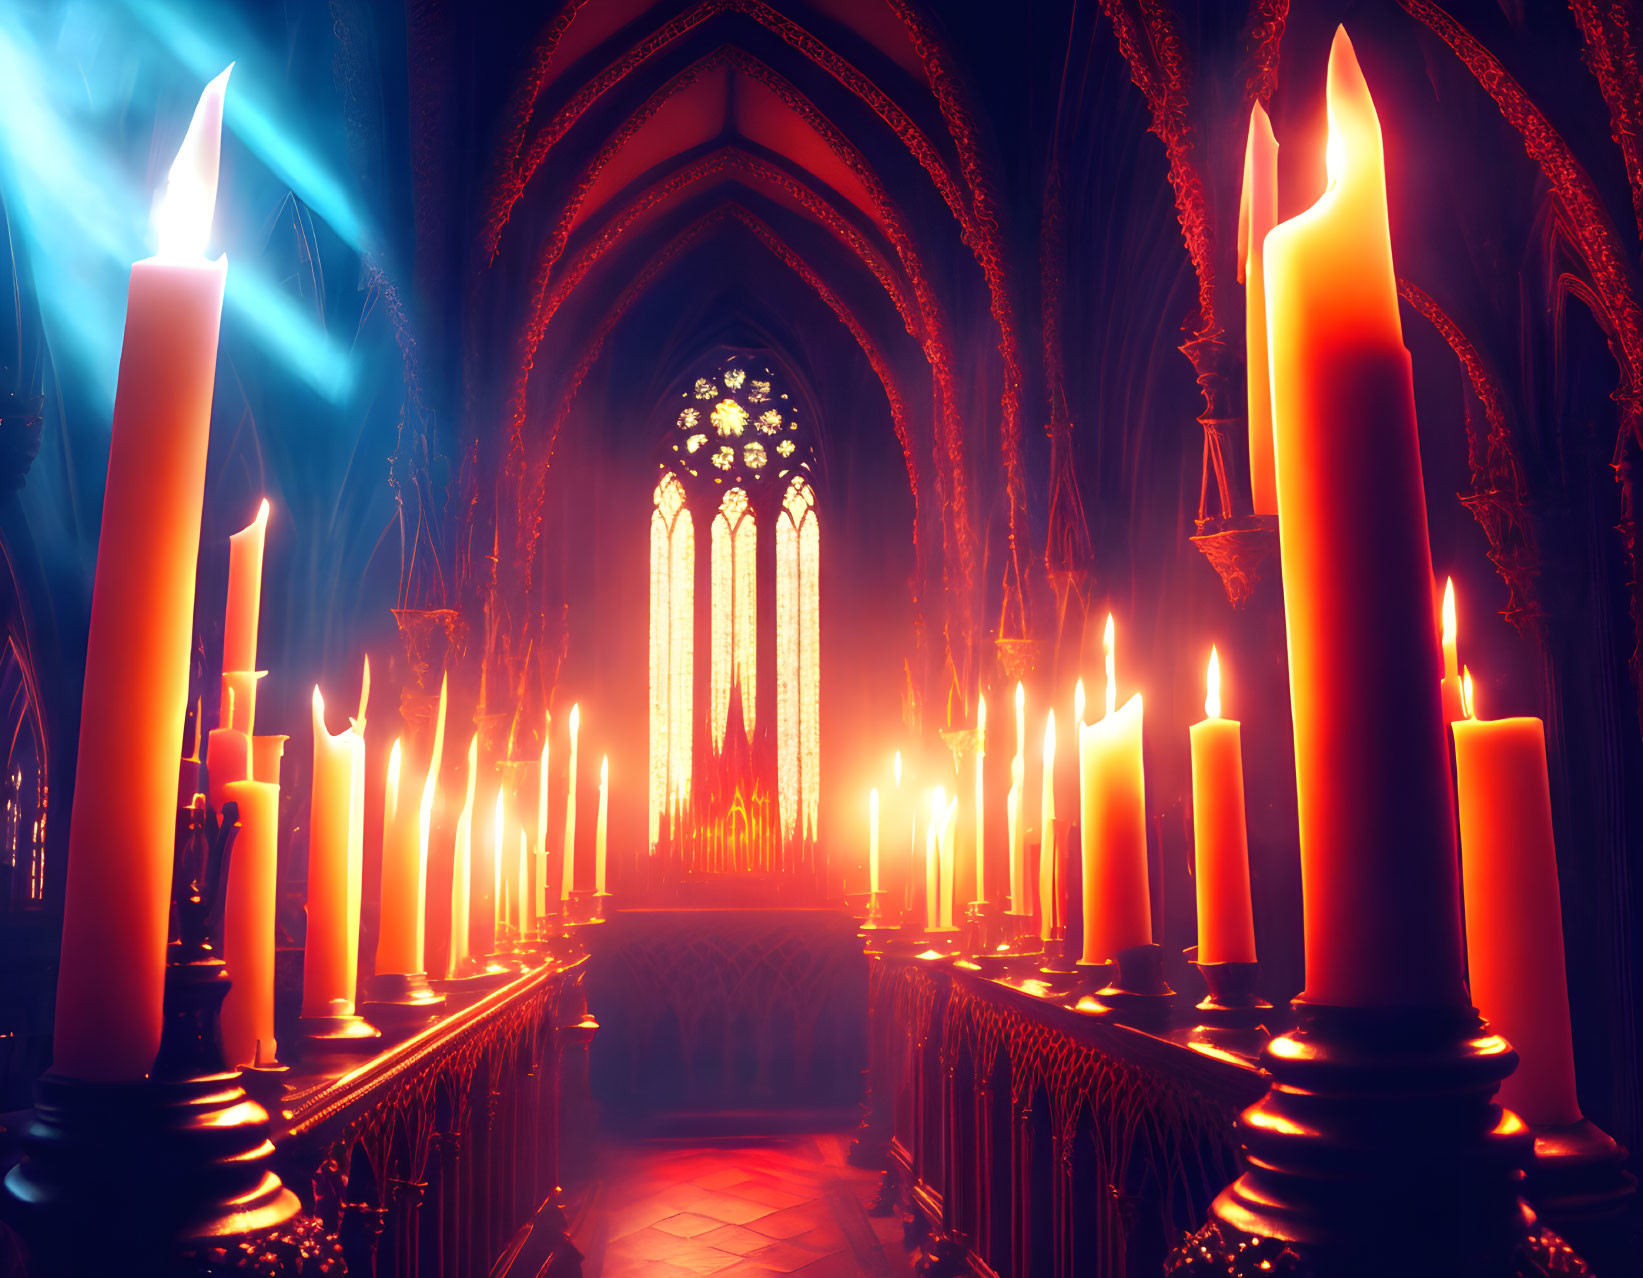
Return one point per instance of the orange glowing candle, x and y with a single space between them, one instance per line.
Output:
873 849
227 754
123 826
266 754
1226 924
932 864
1046 837
1379 870
542 824
248 925
1112 814
601 828
462 871
1514 918
335 866
1257 214
401 834
981 799
1018 787
425 822
569 864
946 818
499 846
1452 707
239 632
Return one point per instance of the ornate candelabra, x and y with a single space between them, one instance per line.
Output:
171 1174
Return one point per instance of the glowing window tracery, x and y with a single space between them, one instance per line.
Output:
672 650
798 660
735 612
729 417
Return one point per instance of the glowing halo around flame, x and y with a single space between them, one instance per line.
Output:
183 213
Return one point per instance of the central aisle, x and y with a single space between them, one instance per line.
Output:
734 1207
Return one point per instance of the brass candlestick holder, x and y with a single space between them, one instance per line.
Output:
1379 1149
146 1177
1136 992
401 1003
1232 1002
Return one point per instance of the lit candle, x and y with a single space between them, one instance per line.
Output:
1012 831
521 887
248 925
239 632
425 822
932 863
266 753
1379 870
401 862
499 847
542 823
1046 847
1018 830
1226 925
1452 708
1112 814
462 871
873 850
335 825
981 799
1257 214
600 828
569 863
123 827
227 753
1514 918
946 818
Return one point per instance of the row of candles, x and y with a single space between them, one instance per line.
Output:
124 820
1428 866
1514 935
243 768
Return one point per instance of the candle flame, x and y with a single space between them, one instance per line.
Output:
604 770
183 214
1020 698
898 769
358 724
1078 702
393 771
939 800
1112 667
981 712
1049 738
575 720
1466 702
1449 628
1212 685
430 784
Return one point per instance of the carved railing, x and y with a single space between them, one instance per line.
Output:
1022 1137
443 1154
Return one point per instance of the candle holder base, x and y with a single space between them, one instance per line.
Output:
1232 1002
460 991
334 1035
1578 1174
1137 994
1379 1149
265 1084
402 1003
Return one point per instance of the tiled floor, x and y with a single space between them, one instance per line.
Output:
736 1208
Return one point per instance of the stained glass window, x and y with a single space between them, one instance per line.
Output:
672 649
798 660
735 612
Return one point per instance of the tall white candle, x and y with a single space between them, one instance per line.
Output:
599 831
542 824
946 840
981 798
569 884
873 848
462 871
932 865
123 827
1046 826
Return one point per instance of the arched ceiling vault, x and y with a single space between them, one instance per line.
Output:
624 110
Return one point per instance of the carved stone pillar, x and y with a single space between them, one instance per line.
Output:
446 1147
406 1210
